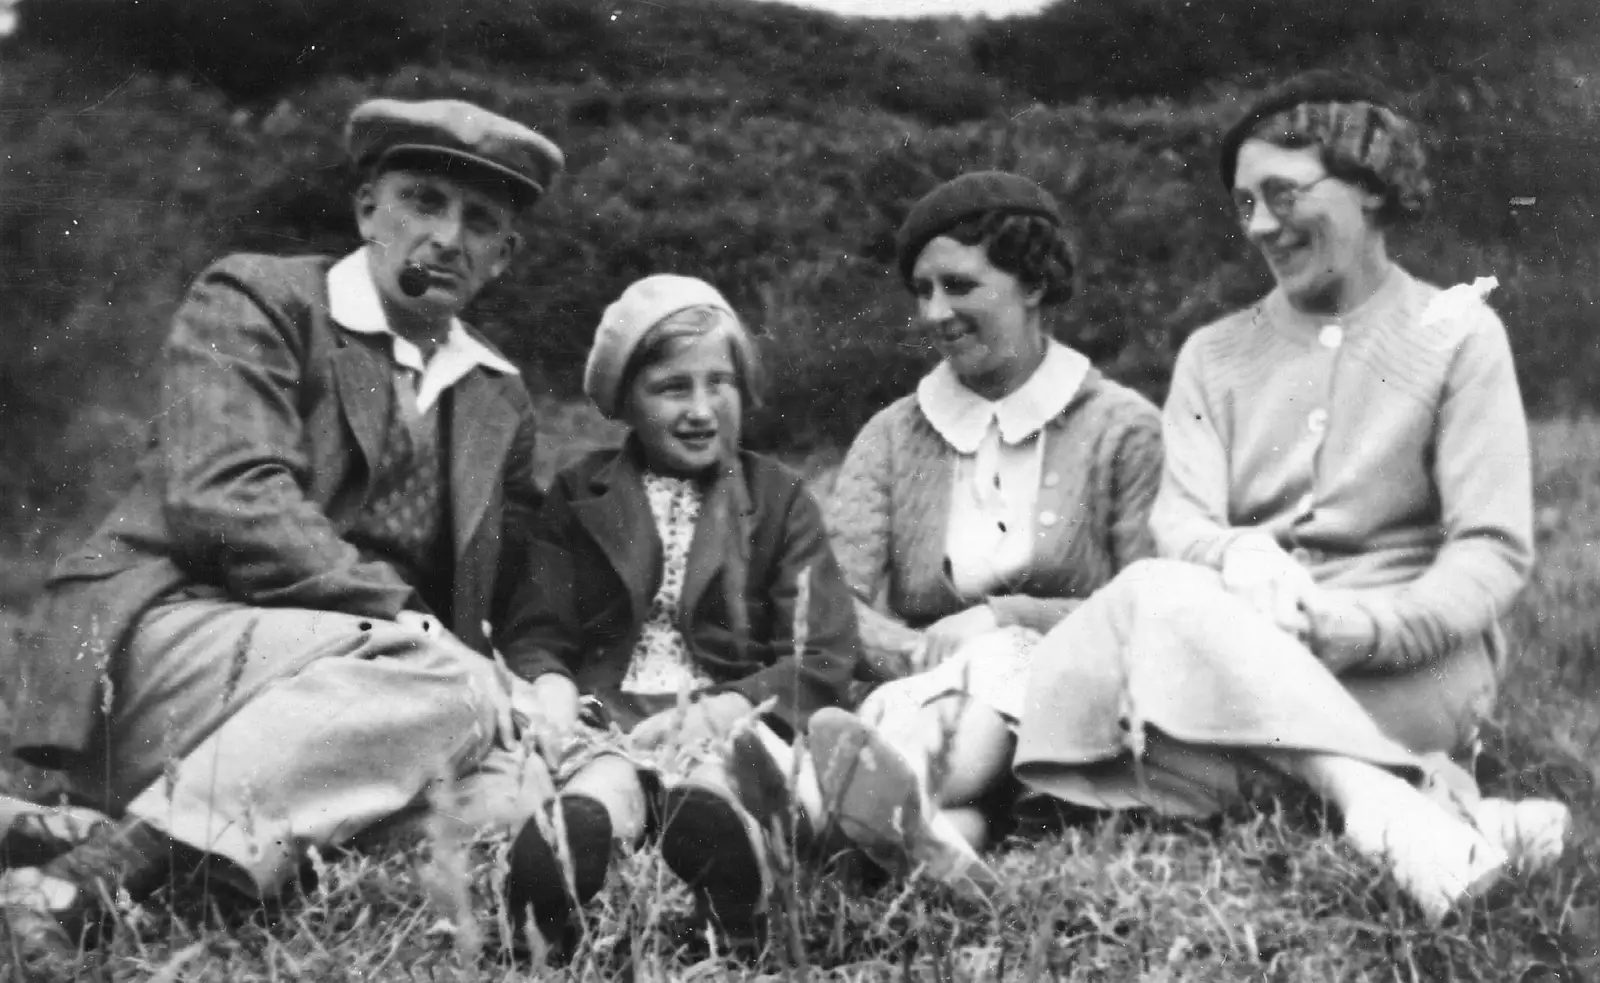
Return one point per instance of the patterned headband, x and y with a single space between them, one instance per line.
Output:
1365 135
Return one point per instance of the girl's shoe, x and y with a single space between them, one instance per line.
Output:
550 885
871 793
710 840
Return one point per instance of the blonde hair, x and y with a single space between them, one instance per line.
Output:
693 323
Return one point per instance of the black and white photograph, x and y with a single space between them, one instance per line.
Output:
822 491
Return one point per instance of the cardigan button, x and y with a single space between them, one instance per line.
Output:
1331 336
1047 518
1317 421
1051 479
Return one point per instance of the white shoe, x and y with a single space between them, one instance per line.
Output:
1437 859
1533 832
872 794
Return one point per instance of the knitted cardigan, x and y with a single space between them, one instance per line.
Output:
1386 448
890 502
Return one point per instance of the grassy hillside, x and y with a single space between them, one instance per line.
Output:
1261 897
774 151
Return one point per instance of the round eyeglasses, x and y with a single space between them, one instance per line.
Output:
1279 195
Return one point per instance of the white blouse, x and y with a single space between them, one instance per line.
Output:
662 664
990 536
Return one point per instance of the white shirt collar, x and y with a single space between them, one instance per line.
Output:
354 302
962 417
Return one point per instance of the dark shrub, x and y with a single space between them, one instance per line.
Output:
782 186
1076 48
769 54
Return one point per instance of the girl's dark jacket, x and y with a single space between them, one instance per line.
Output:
595 563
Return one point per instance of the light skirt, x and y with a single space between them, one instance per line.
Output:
1162 686
992 669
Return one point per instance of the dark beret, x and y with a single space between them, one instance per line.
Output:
965 197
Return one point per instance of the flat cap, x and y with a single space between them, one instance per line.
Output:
380 130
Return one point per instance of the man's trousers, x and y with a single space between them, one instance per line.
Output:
253 733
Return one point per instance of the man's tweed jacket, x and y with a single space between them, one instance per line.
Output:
271 419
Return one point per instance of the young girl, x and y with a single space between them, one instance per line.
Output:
661 598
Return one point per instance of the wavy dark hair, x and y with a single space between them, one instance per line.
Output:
1033 249
1029 247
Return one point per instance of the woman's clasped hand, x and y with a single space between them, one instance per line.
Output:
1261 573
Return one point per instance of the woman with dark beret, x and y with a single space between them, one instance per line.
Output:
970 517
1344 516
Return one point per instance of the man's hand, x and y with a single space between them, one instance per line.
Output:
709 719
942 638
1258 571
549 707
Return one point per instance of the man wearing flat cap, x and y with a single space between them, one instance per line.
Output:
281 634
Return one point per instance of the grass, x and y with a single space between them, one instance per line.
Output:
1267 895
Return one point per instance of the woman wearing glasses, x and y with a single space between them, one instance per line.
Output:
1346 505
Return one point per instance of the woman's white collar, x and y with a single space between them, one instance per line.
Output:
962 417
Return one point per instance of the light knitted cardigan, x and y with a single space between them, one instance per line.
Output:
890 502
1387 448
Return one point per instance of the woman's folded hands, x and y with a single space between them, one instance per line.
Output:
1261 573
1344 634
1332 623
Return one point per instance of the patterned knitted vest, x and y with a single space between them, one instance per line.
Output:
402 520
